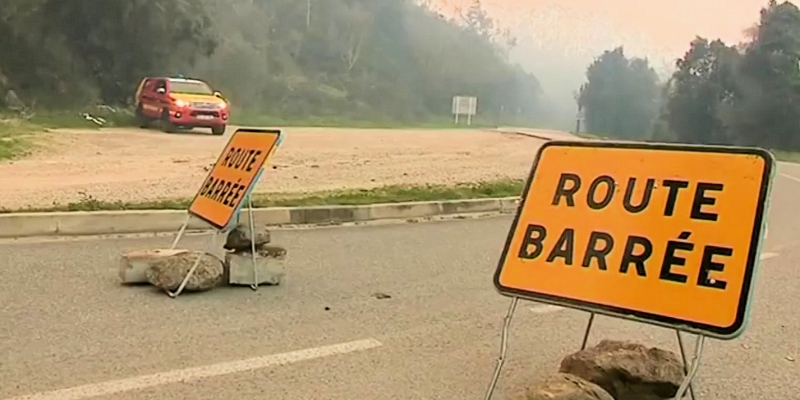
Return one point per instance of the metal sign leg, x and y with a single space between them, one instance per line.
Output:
503 348
181 231
254 286
194 267
588 331
685 363
698 352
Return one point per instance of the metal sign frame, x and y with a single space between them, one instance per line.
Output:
668 322
233 219
471 111
745 299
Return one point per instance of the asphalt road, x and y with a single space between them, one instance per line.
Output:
65 322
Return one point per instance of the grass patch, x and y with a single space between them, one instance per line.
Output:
251 119
787 156
124 117
15 138
587 135
103 117
12 147
382 195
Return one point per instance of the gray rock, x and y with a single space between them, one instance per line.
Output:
276 252
565 387
270 262
168 272
135 264
628 371
13 102
239 239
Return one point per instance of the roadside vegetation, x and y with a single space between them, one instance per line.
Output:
386 63
14 138
734 94
386 194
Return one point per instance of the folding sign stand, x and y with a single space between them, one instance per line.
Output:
686 384
562 201
212 243
231 181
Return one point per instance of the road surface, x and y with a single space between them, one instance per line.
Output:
67 325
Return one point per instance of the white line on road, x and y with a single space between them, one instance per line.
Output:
189 374
787 176
767 256
545 309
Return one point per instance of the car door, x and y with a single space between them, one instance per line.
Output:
147 98
137 96
154 97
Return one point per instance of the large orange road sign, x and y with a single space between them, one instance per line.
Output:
234 175
665 234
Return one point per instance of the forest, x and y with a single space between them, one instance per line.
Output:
393 60
743 94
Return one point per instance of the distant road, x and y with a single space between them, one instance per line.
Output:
66 322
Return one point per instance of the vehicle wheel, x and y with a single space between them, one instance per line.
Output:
141 119
166 125
218 130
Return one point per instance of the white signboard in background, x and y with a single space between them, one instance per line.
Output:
463 105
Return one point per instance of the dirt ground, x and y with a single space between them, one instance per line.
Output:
140 165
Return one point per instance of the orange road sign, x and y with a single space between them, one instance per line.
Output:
234 175
664 234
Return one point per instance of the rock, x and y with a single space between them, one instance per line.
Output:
271 252
13 102
134 264
270 264
628 371
239 238
168 272
565 387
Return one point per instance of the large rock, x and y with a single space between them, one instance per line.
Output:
13 102
168 272
239 238
134 264
565 387
270 262
628 371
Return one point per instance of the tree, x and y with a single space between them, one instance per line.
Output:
47 44
479 21
367 59
621 96
703 84
767 112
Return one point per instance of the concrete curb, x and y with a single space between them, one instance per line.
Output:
18 225
542 136
517 132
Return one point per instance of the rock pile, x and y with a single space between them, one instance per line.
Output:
168 272
234 265
565 387
267 261
613 370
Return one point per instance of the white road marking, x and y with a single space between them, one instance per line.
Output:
787 176
545 309
767 256
190 374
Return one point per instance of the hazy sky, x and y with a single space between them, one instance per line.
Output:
663 27
559 38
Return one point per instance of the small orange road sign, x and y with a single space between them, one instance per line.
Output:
234 175
665 234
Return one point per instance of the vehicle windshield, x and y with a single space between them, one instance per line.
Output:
189 87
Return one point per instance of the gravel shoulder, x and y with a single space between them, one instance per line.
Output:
144 165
